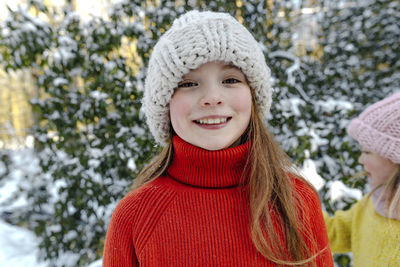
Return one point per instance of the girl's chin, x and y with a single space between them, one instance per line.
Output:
214 147
216 144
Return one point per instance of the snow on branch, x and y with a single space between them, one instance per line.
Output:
290 71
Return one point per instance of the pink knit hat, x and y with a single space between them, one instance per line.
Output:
377 128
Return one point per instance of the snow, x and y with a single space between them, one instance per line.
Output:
60 81
132 164
291 106
98 95
338 190
309 172
19 247
62 55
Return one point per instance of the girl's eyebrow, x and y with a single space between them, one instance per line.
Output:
230 66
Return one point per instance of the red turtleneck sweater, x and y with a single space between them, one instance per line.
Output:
197 215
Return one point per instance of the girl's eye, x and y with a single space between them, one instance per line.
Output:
186 84
231 81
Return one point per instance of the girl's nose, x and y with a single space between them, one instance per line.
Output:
212 96
212 101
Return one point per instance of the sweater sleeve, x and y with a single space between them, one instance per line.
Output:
119 247
339 229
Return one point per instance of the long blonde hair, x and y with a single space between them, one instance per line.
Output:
271 196
391 193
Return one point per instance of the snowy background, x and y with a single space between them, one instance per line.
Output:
19 246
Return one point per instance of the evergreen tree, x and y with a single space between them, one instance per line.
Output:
91 139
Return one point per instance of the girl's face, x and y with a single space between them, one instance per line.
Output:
211 106
379 169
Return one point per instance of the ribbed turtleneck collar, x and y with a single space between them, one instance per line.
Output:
199 167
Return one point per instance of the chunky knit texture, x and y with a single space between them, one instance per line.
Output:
198 215
194 39
377 129
373 239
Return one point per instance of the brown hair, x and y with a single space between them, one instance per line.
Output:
271 196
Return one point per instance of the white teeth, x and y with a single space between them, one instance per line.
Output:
212 121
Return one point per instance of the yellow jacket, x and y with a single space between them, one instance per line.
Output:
373 239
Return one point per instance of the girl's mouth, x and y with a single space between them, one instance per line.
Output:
213 121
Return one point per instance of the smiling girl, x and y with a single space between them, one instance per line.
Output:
371 228
221 192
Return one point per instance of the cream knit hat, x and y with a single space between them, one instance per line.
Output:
377 129
196 38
